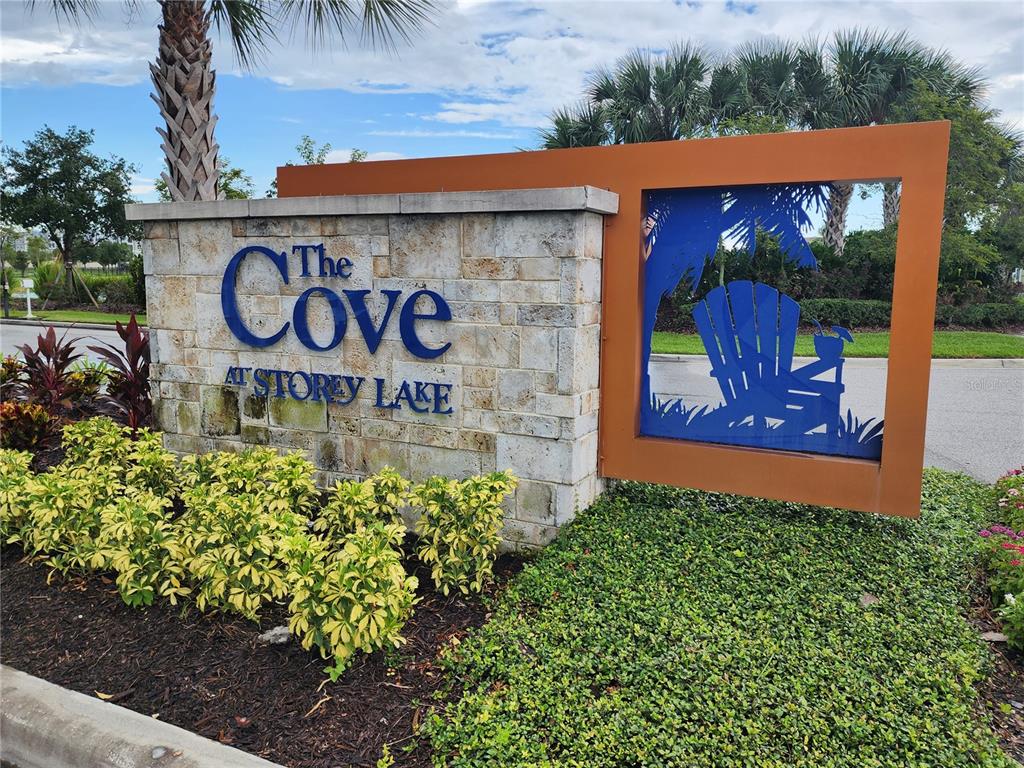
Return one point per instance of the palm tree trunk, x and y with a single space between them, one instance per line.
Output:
835 225
183 77
890 203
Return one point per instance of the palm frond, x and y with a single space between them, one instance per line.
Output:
379 21
248 23
70 10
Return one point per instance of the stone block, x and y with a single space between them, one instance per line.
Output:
545 268
160 257
534 502
269 227
530 292
538 235
170 302
447 462
539 350
425 246
489 268
536 458
479 376
529 424
477 235
219 411
205 246
297 415
515 390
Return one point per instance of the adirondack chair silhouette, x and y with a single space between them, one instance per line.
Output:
749 332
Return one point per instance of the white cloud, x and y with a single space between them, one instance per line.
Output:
513 63
343 156
422 134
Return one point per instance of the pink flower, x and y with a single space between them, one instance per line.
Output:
1015 562
984 534
1008 545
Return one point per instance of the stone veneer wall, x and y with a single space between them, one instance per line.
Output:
521 271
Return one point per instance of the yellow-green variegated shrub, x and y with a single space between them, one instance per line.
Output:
140 541
353 599
460 528
241 510
14 477
233 551
100 446
354 504
64 518
278 482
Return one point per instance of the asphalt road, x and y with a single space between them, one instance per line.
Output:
975 407
14 336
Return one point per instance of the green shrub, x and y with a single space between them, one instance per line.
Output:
1011 619
355 599
354 504
865 313
14 478
49 280
138 539
137 273
459 528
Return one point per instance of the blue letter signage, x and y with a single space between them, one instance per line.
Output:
313 264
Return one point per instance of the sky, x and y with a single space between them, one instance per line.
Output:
481 79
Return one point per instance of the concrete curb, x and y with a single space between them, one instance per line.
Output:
45 726
62 324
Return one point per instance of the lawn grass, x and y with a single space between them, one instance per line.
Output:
683 629
78 316
946 344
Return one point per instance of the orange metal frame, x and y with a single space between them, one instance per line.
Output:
915 154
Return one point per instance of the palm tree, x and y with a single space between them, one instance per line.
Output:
873 75
183 75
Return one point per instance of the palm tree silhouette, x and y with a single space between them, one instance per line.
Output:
684 227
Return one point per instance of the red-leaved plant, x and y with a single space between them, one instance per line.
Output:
127 397
47 369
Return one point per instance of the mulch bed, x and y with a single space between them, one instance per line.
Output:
1002 694
207 673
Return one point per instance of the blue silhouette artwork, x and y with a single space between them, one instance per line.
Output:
749 329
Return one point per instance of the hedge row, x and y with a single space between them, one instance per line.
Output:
110 290
863 313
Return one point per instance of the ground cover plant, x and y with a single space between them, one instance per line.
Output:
671 628
945 344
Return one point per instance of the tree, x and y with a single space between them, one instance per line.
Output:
310 153
982 155
58 184
183 75
232 183
109 253
39 250
860 78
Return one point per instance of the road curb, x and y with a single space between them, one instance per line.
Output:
45 726
61 324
